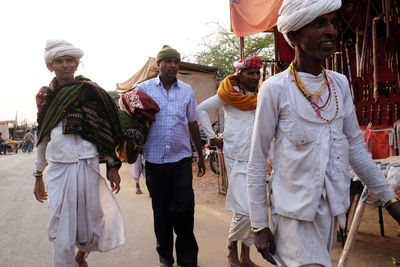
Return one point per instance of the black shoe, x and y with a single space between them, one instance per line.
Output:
165 265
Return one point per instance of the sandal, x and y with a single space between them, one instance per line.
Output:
80 258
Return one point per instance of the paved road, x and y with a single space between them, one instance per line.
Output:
23 222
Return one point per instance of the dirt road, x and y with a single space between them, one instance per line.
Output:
23 222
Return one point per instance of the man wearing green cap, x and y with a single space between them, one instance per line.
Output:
168 161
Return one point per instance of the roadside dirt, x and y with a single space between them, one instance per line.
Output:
370 250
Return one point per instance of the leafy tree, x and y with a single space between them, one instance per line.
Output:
222 48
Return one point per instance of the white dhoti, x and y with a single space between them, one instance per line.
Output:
240 230
236 197
304 243
236 201
84 212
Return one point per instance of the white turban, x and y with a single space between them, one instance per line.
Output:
59 48
295 14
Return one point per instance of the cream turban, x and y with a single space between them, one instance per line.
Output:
295 14
59 48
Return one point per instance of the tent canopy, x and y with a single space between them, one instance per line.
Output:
202 79
150 70
252 17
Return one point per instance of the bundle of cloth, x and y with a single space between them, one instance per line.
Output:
137 113
85 109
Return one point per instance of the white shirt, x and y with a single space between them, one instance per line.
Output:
310 157
237 128
63 148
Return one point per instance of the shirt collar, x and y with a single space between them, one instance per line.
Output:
158 82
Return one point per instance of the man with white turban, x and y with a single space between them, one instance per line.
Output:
237 95
78 125
310 114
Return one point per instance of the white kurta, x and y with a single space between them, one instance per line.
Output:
237 131
310 157
84 212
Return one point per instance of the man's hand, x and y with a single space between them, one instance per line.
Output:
265 244
39 191
201 167
394 211
218 142
115 180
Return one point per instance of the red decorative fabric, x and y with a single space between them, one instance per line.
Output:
140 106
379 141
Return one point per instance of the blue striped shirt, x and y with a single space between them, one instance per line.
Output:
168 139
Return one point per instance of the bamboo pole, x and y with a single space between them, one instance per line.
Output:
375 59
351 238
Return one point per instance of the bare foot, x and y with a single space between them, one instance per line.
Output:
248 263
80 258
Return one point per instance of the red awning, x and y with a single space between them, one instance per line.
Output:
252 17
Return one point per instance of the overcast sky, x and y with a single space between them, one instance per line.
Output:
117 37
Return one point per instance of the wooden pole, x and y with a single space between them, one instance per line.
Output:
349 71
357 54
351 238
364 47
375 59
241 47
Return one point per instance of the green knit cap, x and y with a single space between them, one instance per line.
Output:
167 52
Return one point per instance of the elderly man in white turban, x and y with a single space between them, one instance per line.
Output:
237 95
309 112
78 125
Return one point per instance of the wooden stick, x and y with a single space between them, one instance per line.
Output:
351 238
349 70
357 55
337 61
364 47
241 50
375 59
397 67
379 114
387 18
371 114
364 115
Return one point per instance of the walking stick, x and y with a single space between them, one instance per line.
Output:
364 47
351 238
375 59
357 54
397 68
349 70
387 7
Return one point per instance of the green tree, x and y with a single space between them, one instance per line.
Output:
222 48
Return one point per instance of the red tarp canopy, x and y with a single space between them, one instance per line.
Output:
255 16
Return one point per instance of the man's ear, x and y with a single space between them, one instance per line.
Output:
293 38
77 65
50 67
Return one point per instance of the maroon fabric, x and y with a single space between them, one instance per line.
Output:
251 62
140 106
